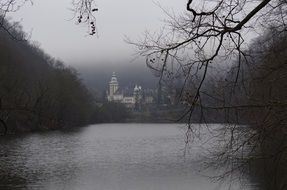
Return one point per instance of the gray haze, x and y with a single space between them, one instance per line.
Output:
51 25
97 76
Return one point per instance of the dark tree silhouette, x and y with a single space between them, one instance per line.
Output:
83 13
191 42
210 32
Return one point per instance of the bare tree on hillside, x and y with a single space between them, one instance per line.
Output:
209 31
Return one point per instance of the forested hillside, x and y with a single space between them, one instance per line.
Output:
254 94
262 91
38 91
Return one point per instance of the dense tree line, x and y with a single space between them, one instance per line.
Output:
252 95
260 101
40 92
111 112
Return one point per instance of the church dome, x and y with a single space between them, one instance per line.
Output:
114 79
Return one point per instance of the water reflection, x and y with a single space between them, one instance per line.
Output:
102 157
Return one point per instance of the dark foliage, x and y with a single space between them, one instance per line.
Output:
38 92
256 96
112 112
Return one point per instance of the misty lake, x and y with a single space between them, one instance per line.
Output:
104 157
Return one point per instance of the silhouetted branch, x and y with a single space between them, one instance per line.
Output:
213 32
83 9
84 12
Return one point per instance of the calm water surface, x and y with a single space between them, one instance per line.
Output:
103 157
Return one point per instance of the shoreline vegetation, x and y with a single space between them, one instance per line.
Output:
40 93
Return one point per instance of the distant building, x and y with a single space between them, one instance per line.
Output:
133 98
114 92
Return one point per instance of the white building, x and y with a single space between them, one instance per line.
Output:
115 94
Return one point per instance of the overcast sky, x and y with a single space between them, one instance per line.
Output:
51 25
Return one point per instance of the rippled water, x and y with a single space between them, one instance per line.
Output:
102 157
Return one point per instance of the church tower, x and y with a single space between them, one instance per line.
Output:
113 85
